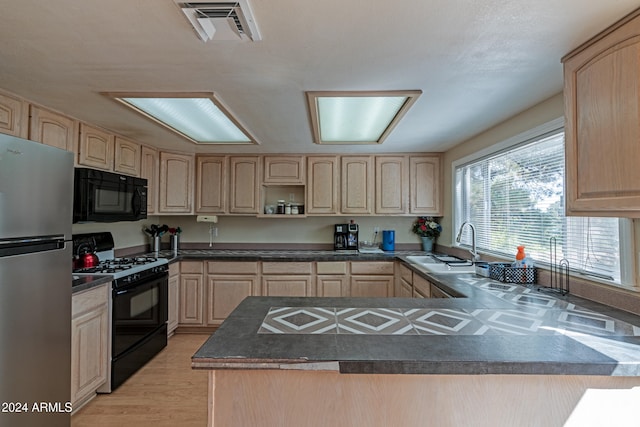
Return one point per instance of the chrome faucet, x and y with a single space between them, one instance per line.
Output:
474 253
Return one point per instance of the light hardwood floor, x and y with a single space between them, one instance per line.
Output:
165 392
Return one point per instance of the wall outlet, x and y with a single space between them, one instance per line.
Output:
376 229
207 218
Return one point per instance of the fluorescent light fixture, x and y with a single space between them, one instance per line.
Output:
198 117
357 117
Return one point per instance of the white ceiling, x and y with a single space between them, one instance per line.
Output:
477 62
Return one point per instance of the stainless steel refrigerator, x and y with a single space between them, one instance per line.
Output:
36 187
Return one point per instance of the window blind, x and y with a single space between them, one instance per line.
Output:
516 197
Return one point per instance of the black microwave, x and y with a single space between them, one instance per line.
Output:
100 196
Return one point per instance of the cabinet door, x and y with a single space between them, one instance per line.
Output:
392 184
356 186
127 157
53 129
225 292
405 289
244 185
14 114
602 129
332 286
150 170
284 170
422 286
371 286
96 148
176 183
191 299
174 302
211 184
436 292
287 286
89 342
424 185
322 185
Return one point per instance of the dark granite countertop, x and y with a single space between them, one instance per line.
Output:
277 255
82 283
491 328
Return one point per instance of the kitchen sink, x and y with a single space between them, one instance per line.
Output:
432 265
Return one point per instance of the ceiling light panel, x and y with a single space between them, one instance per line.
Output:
357 117
199 118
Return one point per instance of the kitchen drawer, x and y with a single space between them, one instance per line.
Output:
192 267
88 300
406 273
372 267
232 267
332 267
287 267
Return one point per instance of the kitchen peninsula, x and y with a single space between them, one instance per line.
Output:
512 353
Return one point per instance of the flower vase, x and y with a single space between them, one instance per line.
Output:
427 244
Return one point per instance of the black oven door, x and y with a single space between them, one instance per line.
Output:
139 310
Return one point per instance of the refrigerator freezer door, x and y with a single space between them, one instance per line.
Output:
36 189
35 337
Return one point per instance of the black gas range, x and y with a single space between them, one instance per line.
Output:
139 304
125 271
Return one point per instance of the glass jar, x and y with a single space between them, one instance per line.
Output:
280 207
287 209
294 209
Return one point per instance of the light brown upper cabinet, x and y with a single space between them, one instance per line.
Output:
602 128
425 185
284 170
211 184
53 129
176 183
322 185
356 189
127 157
96 148
244 185
149 170
392 185
14 114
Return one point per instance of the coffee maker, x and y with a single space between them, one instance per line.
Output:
345 237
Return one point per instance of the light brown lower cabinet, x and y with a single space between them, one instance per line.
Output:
291 279
436 292
174 298
191 293
228 283
373 279
404 282
90 333
332 279
421 287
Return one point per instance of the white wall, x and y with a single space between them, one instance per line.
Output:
236 229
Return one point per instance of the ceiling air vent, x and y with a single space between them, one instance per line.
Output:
221 20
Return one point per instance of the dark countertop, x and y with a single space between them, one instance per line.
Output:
276 255
491 328
82 283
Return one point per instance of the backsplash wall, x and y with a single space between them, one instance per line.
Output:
246 230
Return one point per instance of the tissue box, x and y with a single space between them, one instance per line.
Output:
482 269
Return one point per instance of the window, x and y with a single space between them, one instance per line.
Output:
514 196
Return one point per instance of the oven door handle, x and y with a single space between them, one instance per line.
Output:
126 291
